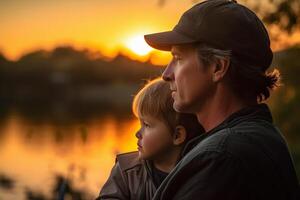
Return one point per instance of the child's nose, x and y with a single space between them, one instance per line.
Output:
138 134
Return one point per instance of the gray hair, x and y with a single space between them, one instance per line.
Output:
208 54
247 80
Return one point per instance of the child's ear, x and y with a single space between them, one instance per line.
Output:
179 135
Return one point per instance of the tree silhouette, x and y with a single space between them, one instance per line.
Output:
286 14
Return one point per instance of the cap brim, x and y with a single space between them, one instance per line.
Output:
165 40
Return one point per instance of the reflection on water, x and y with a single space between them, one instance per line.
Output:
37 157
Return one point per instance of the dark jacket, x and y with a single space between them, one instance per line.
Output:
245 157
130 179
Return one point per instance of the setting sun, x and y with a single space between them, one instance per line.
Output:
138 45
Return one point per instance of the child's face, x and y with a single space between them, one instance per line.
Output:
154 138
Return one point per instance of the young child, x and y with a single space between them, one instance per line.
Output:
161 138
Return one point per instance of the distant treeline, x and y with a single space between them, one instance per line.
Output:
68 80
65 65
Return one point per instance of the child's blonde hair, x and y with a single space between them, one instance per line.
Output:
155 99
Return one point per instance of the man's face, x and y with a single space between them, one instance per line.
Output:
190 81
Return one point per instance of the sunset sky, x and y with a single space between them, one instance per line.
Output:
108 26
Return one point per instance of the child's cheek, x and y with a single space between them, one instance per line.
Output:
149 142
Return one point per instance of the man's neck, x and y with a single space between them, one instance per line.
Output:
168 161
219 108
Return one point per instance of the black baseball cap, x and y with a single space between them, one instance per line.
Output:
222 24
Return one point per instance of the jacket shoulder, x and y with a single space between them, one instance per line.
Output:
128 160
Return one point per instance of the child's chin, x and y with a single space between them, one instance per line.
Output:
142 155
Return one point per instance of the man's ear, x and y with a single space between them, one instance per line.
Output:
179 135
221 67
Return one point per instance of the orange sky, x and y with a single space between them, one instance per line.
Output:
102 25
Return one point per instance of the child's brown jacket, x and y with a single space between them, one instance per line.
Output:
130 179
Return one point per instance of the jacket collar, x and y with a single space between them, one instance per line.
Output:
258 111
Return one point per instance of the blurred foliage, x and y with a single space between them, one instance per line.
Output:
285 101
286 14
62 188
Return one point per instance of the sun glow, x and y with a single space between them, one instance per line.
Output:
137 45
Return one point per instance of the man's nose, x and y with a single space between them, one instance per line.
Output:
138 134
168 74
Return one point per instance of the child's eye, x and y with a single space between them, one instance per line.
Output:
176 58
145 124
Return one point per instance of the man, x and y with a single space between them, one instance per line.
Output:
221 51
